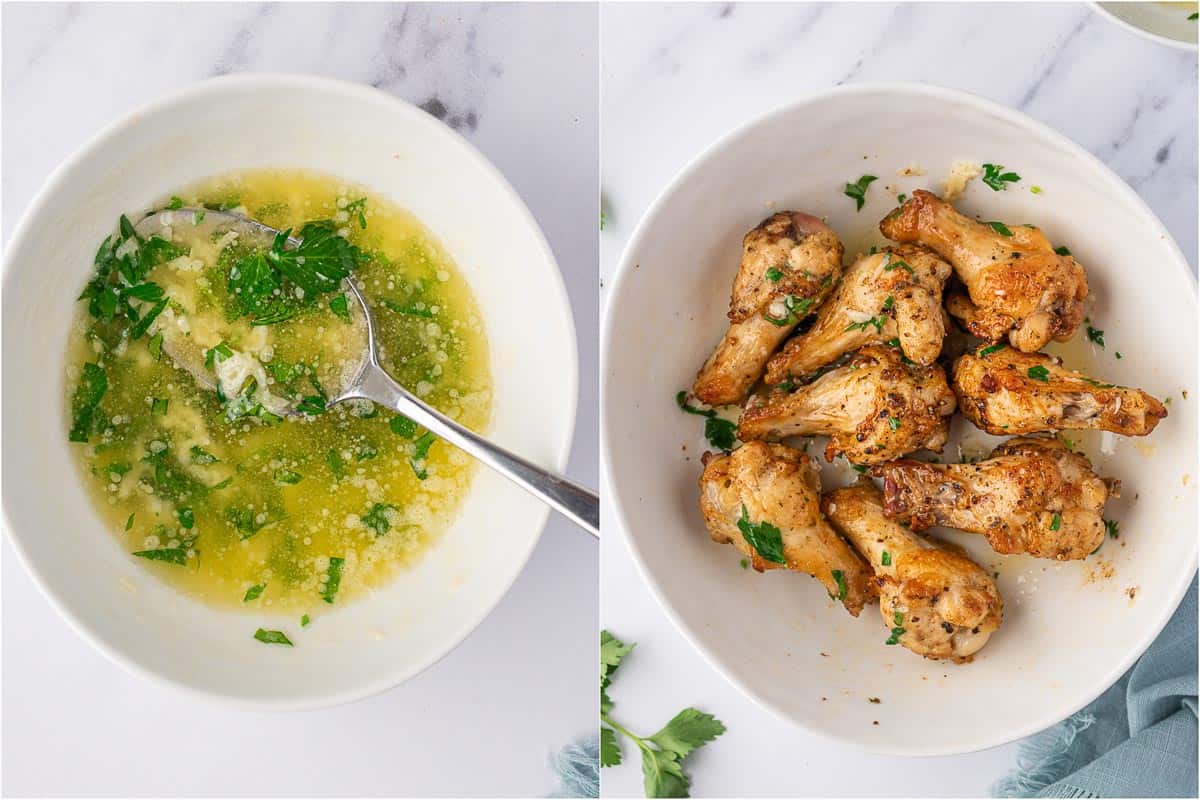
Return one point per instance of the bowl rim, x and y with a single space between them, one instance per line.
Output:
609 332
1111 16
295 82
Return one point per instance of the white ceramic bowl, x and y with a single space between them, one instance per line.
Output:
1068 633
364 136
1165 23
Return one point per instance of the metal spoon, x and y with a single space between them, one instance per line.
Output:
371 382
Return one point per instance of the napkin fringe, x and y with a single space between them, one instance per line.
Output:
1043 759
578 769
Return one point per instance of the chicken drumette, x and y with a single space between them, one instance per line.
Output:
874 409
1018 286
1006 391
765 500
1032 495
938 602
790 264
892 296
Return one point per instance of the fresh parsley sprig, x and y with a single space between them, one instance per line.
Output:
663 752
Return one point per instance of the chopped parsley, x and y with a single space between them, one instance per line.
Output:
1039 373
187 518
305 621
839 578
420 452
721 433
287 476
340 306
857 191
987 351
403 426
773 275
1000 228
765 538
357 208
169 555
202 456
1112 528
376 518
894 423
154 345
334 459
897 629
1062 250
996 178
886 559
894 263
158 406
333 579
796 307
1118 355
272 637
254 592
1056 522
1095 335
93 383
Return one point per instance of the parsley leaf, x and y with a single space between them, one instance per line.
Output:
334 459
1000 228
403 426
333 579
987 351
1039 373
171 555
764 537
996 178
1095 335
886 559
376 518
1112 528
93 383
857 191
287 476
1062 250
356 208
420 452
340 306
839 578
721 433
1056 522
797 308
254 592
272 637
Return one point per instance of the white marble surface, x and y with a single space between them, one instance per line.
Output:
673 79
520 82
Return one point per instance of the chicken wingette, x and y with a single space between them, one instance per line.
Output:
892 296
1031 495
790 264
1017 285
764 499
874 409
937 602
1004 391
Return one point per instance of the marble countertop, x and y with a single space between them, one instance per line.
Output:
674 78
483 721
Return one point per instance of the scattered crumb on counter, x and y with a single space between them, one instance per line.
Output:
913 169
1101 570
962 173
875 722
1131 593
874 700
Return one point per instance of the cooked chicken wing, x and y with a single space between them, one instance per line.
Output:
764 499
892 296
938 602
790 264
1032 495
1018 286
1007 391
874 409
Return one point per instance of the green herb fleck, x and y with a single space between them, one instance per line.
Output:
774 275
1000 228
334 459
857 191
93 383
764 537
403 426
158 406
305 621
287 476
272 637
1055 522
1112 528
1096 336
839 578
171 555
340 306
254 592
987 351
886 559
995 177
333 579
1039 373
1062 250
377 519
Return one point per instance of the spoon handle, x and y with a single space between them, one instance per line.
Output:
580 505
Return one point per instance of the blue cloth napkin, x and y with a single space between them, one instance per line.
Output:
1138 739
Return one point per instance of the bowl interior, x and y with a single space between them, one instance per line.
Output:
1069 629
366 137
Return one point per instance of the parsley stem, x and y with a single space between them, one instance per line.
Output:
616 726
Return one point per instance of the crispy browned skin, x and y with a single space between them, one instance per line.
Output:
874 409
1032 495
780 485
860 313
805 258
1018 286
947 604
997 393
